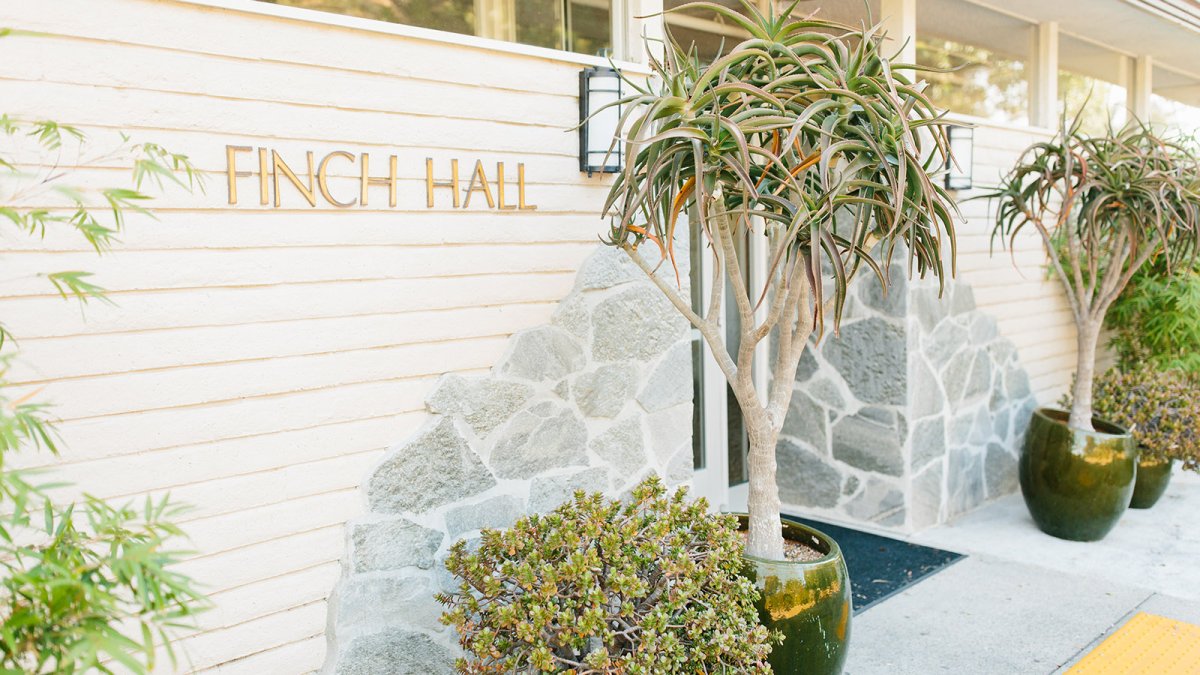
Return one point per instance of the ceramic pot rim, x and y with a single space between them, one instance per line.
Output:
1104 428
835 551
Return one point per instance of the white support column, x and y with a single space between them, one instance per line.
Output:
900 21
1140 86
496 19
1043 83
644 32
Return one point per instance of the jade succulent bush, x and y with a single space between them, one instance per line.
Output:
649 585
1160 408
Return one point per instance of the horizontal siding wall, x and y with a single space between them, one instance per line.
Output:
1011 283
257 361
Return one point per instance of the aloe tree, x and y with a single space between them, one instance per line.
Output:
808 135
1103 207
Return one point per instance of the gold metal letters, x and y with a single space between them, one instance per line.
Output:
274 172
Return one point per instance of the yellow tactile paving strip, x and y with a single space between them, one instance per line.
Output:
1146 644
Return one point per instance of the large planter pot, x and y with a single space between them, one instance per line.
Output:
1076 483
1153 475
809 602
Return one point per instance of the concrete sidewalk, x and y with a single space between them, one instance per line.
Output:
1024 602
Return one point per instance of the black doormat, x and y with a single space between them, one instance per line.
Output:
879 566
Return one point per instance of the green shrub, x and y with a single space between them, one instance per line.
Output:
600 586
1156 320
1160 407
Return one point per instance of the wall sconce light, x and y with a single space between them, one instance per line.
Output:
598 87
962 157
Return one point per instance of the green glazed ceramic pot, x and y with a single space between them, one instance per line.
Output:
809 602
1152 479
1076 483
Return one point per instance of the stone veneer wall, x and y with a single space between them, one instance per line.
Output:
912 415
597 400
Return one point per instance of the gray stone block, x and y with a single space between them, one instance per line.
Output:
1002 351
808 364
679 469
531 444
824 390
393 544
981 428
927 395
979 382
964 481
670 383
435 468
606 268
805 421
868 444
562 390
944 342
669 430
1000 469
483 402
983 328
893 302
622 447
955 374
804 478
928 307
396 652
604 391
871 356
928 441
547 493
546 353
638 323
1000 424
1016 382
495 513
926 506
368 603
851 485
879 502
1022 415
958 433
572 316
962 297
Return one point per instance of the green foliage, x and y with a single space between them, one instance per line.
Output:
91 588
803 121
1156 320
1160 407
597 586
86 586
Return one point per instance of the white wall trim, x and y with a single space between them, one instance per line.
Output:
414 32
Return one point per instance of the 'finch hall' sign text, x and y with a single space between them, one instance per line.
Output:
444 183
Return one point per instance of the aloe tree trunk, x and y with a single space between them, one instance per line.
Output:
790 319
1087 335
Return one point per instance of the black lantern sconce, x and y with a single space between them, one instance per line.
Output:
598 87
962 157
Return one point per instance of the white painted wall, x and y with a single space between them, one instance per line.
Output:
258 361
